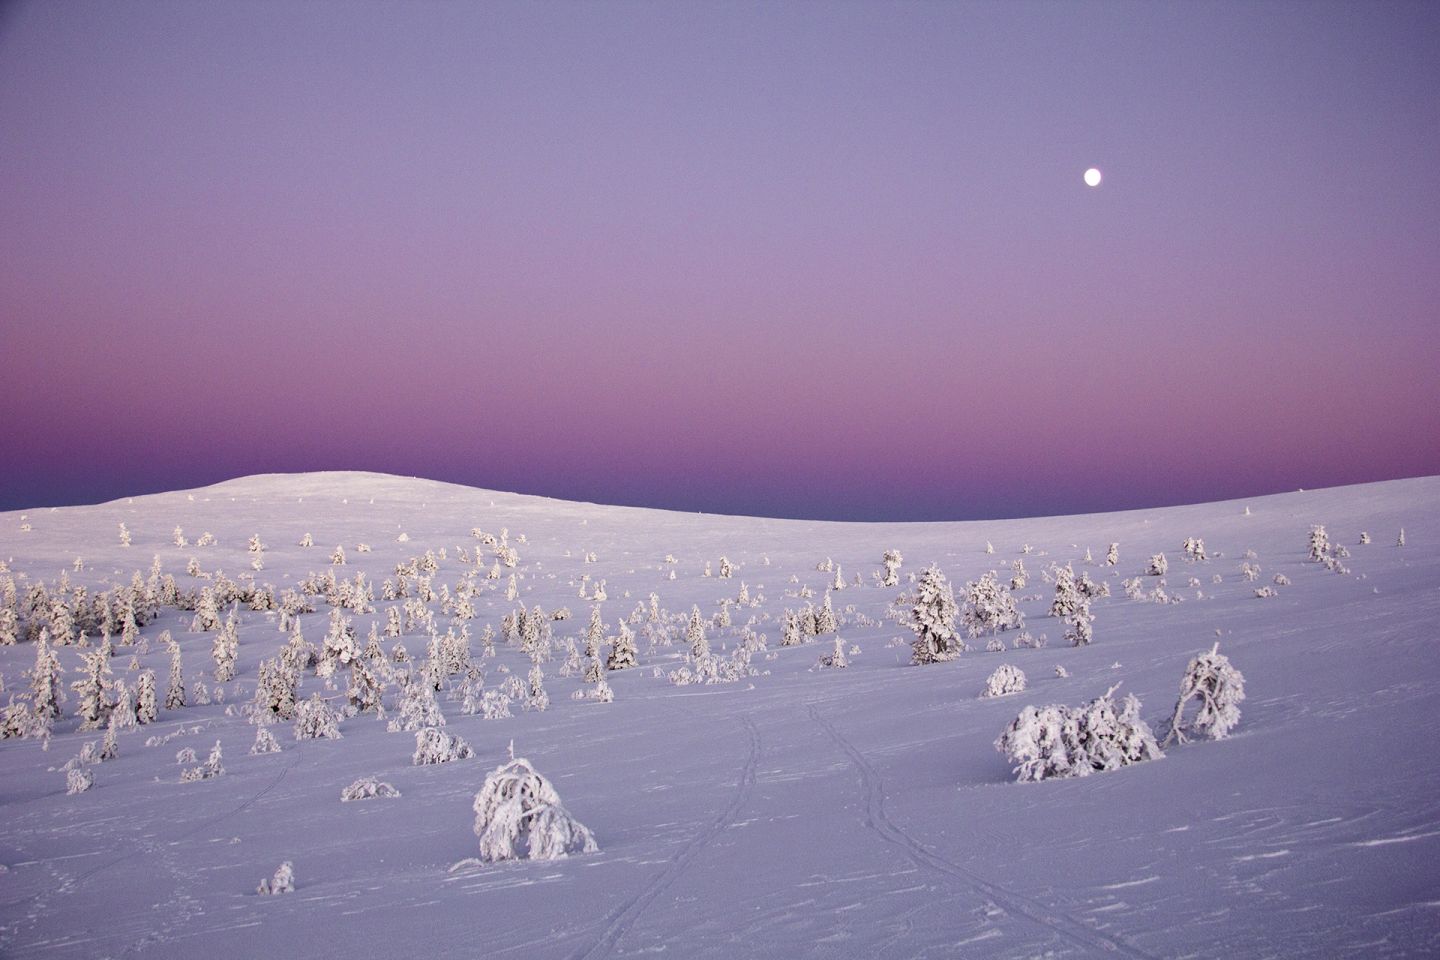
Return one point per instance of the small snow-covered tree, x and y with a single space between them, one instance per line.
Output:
282 882
1158 565
835 659
825 618
78 780
989 607
433 745
1060 741
623 653
1078 629
1004 681
314 720
337 559
47 688
209 770
225 647
124 535
265 742
1400 541
95 687
1319 543
1112 556
175 691
366 788
1219 687
519 816
891 560
695 635
932 619
147 703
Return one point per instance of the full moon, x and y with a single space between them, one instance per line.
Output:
1092 177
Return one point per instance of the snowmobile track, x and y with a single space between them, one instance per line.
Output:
619 922
879 822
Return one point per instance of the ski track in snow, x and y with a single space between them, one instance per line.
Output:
619 922
879 822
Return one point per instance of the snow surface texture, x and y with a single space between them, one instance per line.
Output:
791 813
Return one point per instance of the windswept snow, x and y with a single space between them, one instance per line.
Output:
744 804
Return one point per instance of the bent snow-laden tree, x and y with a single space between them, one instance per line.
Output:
1061 741
1211 679
518 816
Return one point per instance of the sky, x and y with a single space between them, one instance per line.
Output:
821 260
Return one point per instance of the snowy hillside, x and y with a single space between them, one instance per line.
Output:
770 808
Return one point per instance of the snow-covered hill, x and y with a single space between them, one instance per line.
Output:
793 812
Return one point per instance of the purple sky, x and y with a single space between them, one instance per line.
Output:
812 259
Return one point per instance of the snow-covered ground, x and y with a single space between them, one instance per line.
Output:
796 812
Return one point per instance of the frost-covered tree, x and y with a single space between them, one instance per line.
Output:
337 559
1193 548
47 688
368 787
209 770
1078 629
314 720
791 634
124 535
537 699
207 612
367 689
175 691
78 780
825 617
891 560
519 816
226 646
726 570
1061 741
265 742
932 619
989 607
1112 556
1219 688
1067 593
1004 681
1319 543
1400 541
418 708
282 882
94 688
695 636
1158 565
623 653
836 659
433 745
147 702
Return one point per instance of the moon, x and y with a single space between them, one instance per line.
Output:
1092 177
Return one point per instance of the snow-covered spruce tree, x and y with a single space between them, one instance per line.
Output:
337 558
790 633
282 882
275 690
367 688
1078 628
315 720
623 653
225 647
124 535
94 688
695 636
536 698
175 691
1004 681
1021 577
207 612
1319 543
989 607
433 745
1400 541
891 560
836 658
519 816
418 708
47 688
1060 741
1158 565
1219 687
265 742
147 699
368 787
1067 593
726 570
932 619
825 617
1112 556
